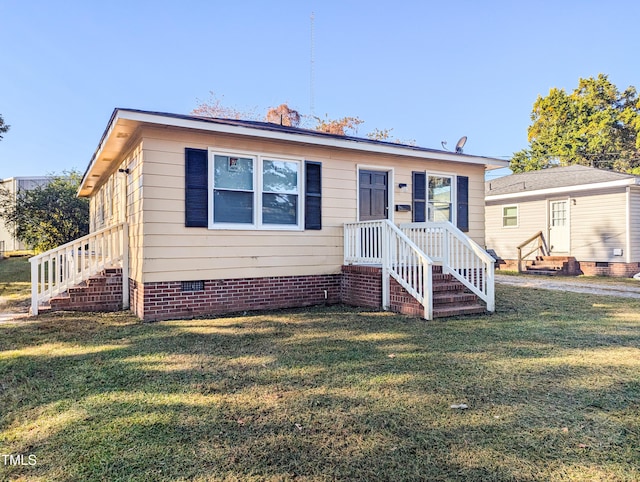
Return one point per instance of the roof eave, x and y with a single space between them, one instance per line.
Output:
564 189
151 118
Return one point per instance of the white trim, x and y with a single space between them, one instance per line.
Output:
517 206
390 188
454 195
628 222
257 224
204 124
129 116
565 189
568 225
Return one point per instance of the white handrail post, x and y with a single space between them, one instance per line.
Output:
428 291
386 274
34 287
491 288
125 266
446 262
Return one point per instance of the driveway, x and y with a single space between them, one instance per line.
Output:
623 290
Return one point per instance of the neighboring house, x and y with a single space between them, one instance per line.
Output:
8 242
228 215
589 214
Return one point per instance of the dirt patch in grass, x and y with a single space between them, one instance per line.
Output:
551 382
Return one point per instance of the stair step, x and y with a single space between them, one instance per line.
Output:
448 298
542 271
448 286
472 309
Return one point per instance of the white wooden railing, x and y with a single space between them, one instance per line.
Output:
55 271
382 243
459 255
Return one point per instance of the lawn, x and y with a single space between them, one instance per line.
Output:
551 381
15 283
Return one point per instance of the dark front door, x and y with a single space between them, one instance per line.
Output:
373 195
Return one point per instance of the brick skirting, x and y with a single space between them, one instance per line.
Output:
361 286
588 268
355 285
619 270
165 300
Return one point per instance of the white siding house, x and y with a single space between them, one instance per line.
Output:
590 214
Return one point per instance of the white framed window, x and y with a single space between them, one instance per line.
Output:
440 198
254 191
510 216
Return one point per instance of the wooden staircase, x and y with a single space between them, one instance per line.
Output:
553 265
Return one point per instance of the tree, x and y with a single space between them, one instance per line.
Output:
286 116
338 127
385 135
283 115
213 107
595 125
47 216
3 127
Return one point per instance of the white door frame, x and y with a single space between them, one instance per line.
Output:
566 228
390 188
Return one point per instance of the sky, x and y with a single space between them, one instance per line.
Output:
432 71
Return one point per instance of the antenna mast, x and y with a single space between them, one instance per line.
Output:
312 69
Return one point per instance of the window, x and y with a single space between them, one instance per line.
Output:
510 216
233 194
440 198
254 191
280 192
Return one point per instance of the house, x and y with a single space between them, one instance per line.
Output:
213 216
586 217
13 185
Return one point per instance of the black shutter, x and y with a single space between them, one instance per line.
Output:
462 197
196 188
313 195
419 197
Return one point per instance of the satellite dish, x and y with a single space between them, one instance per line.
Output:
444 145
460 144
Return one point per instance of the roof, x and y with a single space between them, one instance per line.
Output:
124 122
556 179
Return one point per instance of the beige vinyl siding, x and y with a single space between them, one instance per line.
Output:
175 252
532 217
634 237
115 184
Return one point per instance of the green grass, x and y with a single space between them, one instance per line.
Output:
15 282
552 381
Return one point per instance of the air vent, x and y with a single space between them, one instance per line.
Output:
193 286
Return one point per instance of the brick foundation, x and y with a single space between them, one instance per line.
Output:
587 268
619 270
355 285
164 300
361 286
